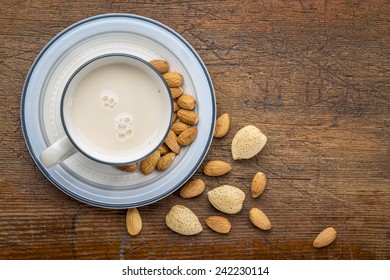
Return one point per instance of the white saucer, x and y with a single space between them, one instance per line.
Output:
89 181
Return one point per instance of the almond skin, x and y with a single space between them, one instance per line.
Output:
176 92
163 149
259 219
165 161
128 167
227 199
216 168
174 117
325 238
222 126
187 136
160 65
173 79
179 127
183 221
150 163
171 142
259 182
218 224
186 101
175 106
188 117
192 188
133 221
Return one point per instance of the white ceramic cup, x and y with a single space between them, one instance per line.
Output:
140 112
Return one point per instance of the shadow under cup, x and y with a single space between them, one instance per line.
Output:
116 109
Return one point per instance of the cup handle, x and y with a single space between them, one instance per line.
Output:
57 152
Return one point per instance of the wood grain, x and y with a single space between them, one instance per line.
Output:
314 75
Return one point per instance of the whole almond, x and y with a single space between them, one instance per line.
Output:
150 163
176 92
179 127
175 106
187 136
163 149
171 142
326 237
165 161
248 142
183 221
133 221
218 224
227 199
222 126
216 168
160 65
259 219
173 79
192 188
259 182
186 101
188 117
128 167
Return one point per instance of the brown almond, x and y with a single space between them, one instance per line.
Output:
188 117
192 188
222 126
174 118
175 106
160 65
164 149
218 224
259 219
186 101
128 167
165 161
150 163
259 182
216 168
179 127
176 92
187 136
171 142
325 238
133 221
173 79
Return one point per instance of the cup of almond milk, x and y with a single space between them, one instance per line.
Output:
116 109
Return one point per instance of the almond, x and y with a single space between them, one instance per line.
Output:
176 92
259 219
173 79
326 237
179 127
187 136
183 221
248 142
188 117
165 161
227 199
133 221
218 224
150 163
216 168
164 149
175 106
192 188
174 118
259 182
171 142
160 65
186 101
128 167
222 126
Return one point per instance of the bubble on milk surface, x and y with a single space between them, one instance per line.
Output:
124 126
109 99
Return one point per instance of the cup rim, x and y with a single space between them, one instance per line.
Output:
64 92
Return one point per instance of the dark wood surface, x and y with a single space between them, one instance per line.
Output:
315 75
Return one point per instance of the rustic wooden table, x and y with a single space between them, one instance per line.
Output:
315 75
